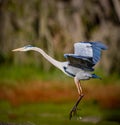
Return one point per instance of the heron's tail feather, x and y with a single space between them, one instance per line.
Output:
95 76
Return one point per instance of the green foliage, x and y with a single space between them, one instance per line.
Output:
50 113
107 79
12 74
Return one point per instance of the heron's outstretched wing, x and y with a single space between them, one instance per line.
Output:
80 62
90 49
86 54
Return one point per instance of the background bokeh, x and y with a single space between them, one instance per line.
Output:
27 80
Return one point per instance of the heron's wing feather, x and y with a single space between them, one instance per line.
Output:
90 49
83 49
97 48
86 54
80 62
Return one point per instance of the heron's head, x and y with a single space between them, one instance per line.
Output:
25 48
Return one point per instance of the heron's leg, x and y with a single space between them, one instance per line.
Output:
78 85
79 88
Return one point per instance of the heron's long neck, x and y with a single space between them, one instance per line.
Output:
49 58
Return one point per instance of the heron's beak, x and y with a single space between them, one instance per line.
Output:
19 49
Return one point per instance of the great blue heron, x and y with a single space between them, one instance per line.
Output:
78 65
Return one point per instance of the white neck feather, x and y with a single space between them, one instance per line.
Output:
50 59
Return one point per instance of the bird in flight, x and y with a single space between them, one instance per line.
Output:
79 65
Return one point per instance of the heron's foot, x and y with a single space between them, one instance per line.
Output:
73 112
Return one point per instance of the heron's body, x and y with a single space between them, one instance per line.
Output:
74 71
79 65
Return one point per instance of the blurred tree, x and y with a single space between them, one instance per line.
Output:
2 31
56 25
